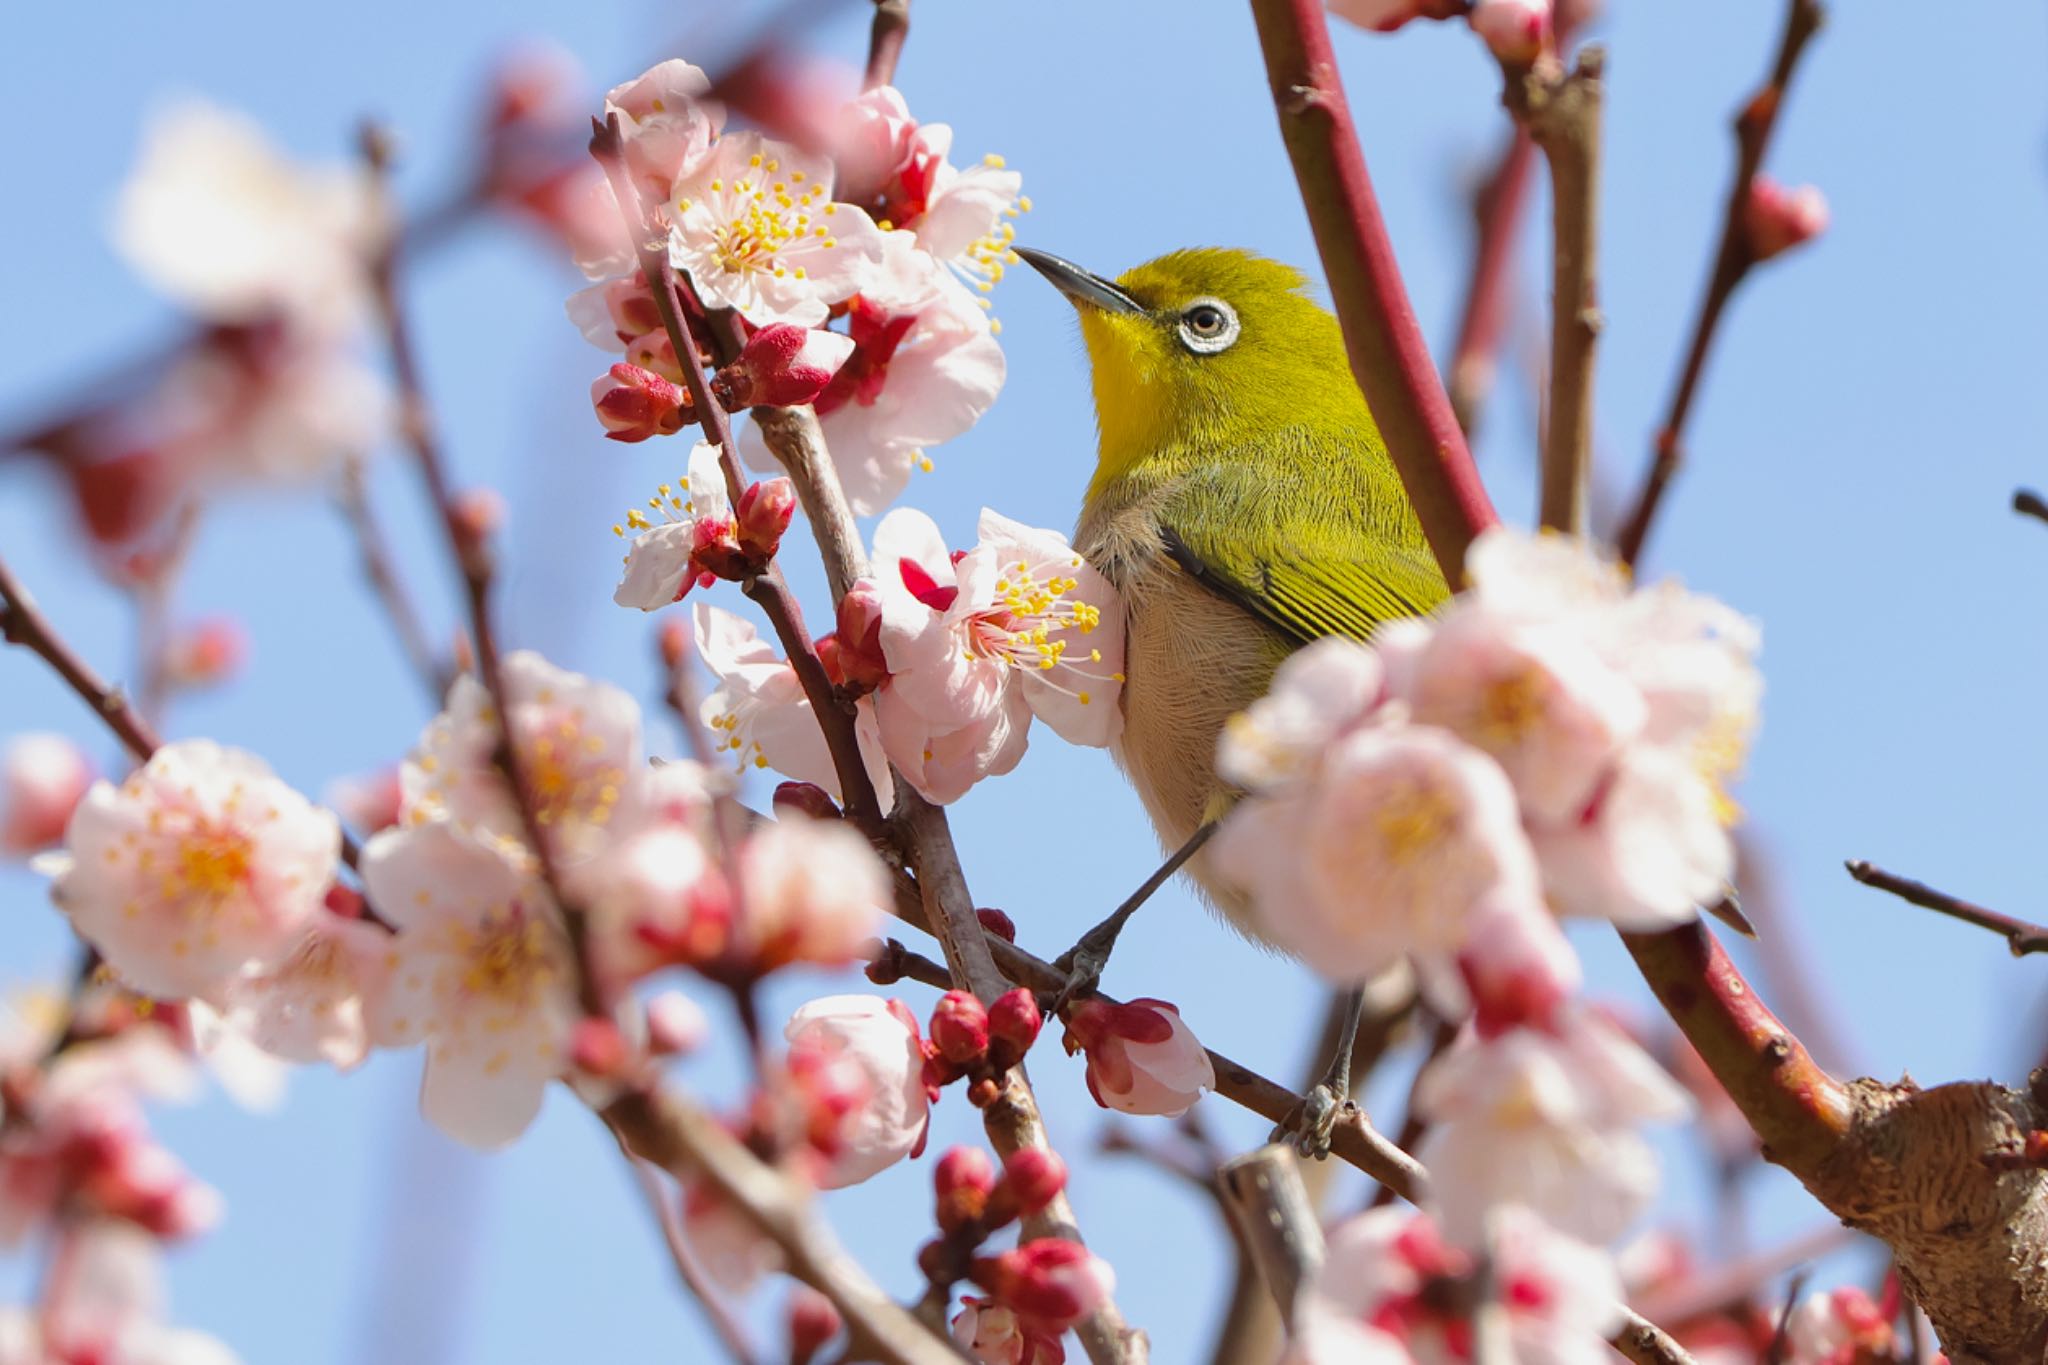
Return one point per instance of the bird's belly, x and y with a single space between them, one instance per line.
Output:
1192 660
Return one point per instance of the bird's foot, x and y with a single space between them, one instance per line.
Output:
1310 1129
1084 964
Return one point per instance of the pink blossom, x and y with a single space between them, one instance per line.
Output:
782 366
368 801
995 1335
198 868
1318 694
1384 16
482 975
1838 1327
633 404
924 368
697 536
667 125
1383 1270
1775 219
760 715
616 312
676 1025
1050 1283
756 227
103 1302
1545 1115
1141 1058
725 1241
42 779
1018 626
1515 31
205 653
881 1037
314 1006
656 899
578 745
814 894
1398 838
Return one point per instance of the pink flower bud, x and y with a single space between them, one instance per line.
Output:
959 1027
205 653
1515 31
813 1322
478 513
1776 219
783 366
962 1182
1517 966
1013 1024
42 778
655 352
634 403
674 641
861 662
598 1047
997 923
764 512
121 497
630 305
1034 1177
1050 1280
1384 16
369 802
994 1335
1141 1058
675 1025
806 799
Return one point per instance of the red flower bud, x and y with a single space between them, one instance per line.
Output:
813 1322
782 365
998 923
1033 1177
763 513
1013 1024
959 1027
1050 1279
806 799
635 403
962 1182
861 661
674 641
598 1047
1776 219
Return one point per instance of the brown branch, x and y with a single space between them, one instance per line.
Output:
709 1297
1389 358
1733 259
22 623
380 571
1561 111
1275 1219
2020 936
1645 1343
2028 503
1727 1287
661 1128
885 42
1482 324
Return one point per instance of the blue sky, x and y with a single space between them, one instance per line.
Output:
1874 402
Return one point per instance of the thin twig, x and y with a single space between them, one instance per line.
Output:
1726 1287
2020 936
23 623
1389 357
1733 259
1482 324
1276 1221
885 42
709 1297
380 571
1646 1343
1561 110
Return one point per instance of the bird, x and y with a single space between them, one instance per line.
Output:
1243 504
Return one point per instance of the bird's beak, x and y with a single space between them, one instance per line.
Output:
1078 285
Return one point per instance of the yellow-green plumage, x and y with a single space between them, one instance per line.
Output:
1243 504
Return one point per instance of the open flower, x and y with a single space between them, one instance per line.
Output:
756 227
814 894
482 976
314 1006
881 1037
664 560
198 868
42 779
1141 1058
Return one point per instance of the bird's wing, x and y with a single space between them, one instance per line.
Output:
1319 577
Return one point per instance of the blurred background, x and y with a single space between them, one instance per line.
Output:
1873 402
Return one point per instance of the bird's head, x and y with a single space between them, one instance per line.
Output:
1203 348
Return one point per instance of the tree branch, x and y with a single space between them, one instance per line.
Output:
1498 208
380 570
1276 1221
1389 358
885 42
2020 936
1733 259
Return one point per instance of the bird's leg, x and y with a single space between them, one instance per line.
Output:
1083 963
1311 1127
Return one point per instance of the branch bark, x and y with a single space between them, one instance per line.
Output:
885 42
1389 358
1276 1220
1482 324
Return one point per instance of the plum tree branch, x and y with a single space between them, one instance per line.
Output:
1482 323
2020 936
885 42
1389 357
1733 259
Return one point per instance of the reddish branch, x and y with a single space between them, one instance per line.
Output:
2020 936
23 623
1389 358
380 570
1482 325
1733 259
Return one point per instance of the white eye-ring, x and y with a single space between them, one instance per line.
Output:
1208 326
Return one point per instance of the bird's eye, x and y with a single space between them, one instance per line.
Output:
1208 326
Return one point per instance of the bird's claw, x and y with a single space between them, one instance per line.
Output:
1310 1128
1083 963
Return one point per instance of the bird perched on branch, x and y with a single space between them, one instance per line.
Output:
1244 505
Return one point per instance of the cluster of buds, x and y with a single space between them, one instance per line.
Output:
633 403
979 1043
782 366
88 1150
738 544
642 395
697 535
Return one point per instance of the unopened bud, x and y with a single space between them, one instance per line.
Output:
1032 1178
813 1322
344 902
675 1025
634 403
42 779
781 366
673 640
764 512
630 305
997 923
959 1027
478 513
983 1092
1013 1024
1776 219
1515 31
1051 1279
598 1047
861 661
962 1182
656 352
205 653
805 799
